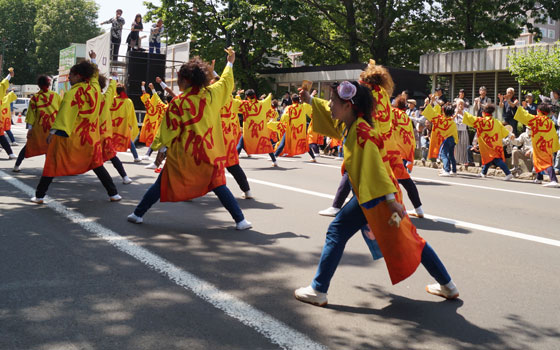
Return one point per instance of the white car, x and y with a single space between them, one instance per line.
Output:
21 105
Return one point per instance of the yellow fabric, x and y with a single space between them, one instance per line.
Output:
231 129
442 128
404 134
125 124
6 112
256 136
4 85
42 111
322 120
295 120
78 116
543 137
105 121
192 133
490 134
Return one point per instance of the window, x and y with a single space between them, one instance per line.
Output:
543 32
551 21
519 42
551 33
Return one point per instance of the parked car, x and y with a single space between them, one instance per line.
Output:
21 105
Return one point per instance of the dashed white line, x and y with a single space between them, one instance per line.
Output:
274 330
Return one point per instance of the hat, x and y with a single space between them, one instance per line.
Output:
413 101
529 94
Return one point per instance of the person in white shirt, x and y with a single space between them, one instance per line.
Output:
522 150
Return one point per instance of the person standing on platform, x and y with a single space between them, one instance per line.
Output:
155 36
117 24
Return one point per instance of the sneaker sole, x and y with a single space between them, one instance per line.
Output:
416 215
311 302
442 295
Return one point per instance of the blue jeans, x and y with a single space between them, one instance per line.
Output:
346 223
447 155
499 162
133 150
10 136
156 45
224 195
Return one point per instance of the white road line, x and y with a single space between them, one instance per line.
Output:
274 330
485 187
432 217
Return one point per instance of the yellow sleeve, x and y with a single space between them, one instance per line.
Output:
4 85
236 106
30 116
469 119
57 100
322 120
266 104
307 109
286 115
131 118
155 100
68 111
144 98
523 116
166 133
219 93
429 112
110 93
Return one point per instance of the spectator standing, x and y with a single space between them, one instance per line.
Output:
461 96
440 99
155 36
417 120
463 133
509 105
117 24
481 101
522 150
134 36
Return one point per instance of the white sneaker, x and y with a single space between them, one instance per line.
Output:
275 164
311 296
134 219
126 180
551 184
243 225
508 177
151 166
419 212
453 173
442 291
38 200
146 157
481 175
331 211
12 156
445 174
247 195
15 144
537 181
115 198
137 160
313 160
16 169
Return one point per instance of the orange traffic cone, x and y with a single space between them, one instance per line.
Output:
19 119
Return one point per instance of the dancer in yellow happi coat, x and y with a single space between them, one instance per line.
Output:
125 124
74 140
155 110
490 133
444 136
377 200
404 131
256 134
544 140
3 139
294 141
41 113
192 135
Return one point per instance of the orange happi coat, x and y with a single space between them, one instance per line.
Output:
295 120
442 128
105 122
256 135
490 135
78 117
41 114
543 137
231 129
192 132
404 134
155 110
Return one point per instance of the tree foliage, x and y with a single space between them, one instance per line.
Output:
16 39
60 23
537 66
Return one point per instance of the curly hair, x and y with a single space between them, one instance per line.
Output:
84 69
378 75
196 72
400 102
102 81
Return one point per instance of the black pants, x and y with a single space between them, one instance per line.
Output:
118 165
101 173
21 156
239 176
115 43
5 144
412 191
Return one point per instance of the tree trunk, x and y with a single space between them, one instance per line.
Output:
352 31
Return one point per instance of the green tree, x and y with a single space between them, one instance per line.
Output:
537 66
58 24
248 26
16 39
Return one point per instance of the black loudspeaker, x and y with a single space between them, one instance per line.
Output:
143 66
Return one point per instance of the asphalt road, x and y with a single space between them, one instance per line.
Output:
76 275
